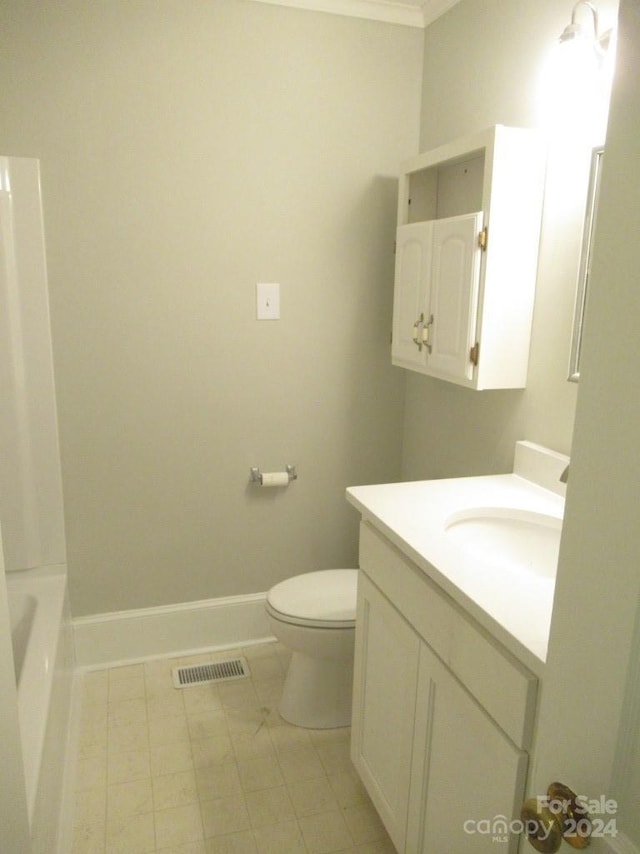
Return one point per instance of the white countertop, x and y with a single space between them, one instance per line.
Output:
515 607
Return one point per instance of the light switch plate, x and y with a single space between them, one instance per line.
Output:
268 301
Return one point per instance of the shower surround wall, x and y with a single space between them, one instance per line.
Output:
36 650
188 151
31 507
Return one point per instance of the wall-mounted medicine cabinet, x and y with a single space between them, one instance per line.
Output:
466 258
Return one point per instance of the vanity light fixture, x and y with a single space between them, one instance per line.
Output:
575 30
575 83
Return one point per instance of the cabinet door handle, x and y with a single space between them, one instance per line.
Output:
425 334
421 332
418 332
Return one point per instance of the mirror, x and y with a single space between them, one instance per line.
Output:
585 261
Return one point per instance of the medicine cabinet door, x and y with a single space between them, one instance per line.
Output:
411 295
454 295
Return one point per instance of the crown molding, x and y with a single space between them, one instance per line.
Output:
433 9
419 13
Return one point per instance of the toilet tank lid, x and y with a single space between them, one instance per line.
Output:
329 594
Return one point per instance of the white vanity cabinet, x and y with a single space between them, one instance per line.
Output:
466 258
443 714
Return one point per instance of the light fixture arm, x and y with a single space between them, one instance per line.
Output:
594 13
575 30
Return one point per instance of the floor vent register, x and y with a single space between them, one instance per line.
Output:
214 671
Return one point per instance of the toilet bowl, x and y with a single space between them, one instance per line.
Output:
314 615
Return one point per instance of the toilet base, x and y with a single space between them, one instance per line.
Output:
317 692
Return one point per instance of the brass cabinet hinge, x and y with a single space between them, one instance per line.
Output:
474 352
482 239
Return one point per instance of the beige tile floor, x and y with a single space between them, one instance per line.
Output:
212 768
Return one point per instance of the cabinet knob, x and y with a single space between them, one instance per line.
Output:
559 815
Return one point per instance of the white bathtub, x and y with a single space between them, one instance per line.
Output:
43 657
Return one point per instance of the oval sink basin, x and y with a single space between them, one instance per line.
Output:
508 538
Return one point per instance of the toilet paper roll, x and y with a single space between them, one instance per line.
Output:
275 478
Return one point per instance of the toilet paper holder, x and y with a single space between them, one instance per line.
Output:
257 475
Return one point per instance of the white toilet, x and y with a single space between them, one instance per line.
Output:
314 615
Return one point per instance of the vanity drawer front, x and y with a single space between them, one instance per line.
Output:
498 681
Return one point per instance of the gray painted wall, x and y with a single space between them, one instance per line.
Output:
190 150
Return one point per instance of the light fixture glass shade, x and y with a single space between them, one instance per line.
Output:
571 31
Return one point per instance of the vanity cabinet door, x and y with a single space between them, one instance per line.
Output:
384 705
466 774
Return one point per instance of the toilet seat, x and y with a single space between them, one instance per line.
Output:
323 599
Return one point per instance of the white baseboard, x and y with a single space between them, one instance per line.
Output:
126 636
